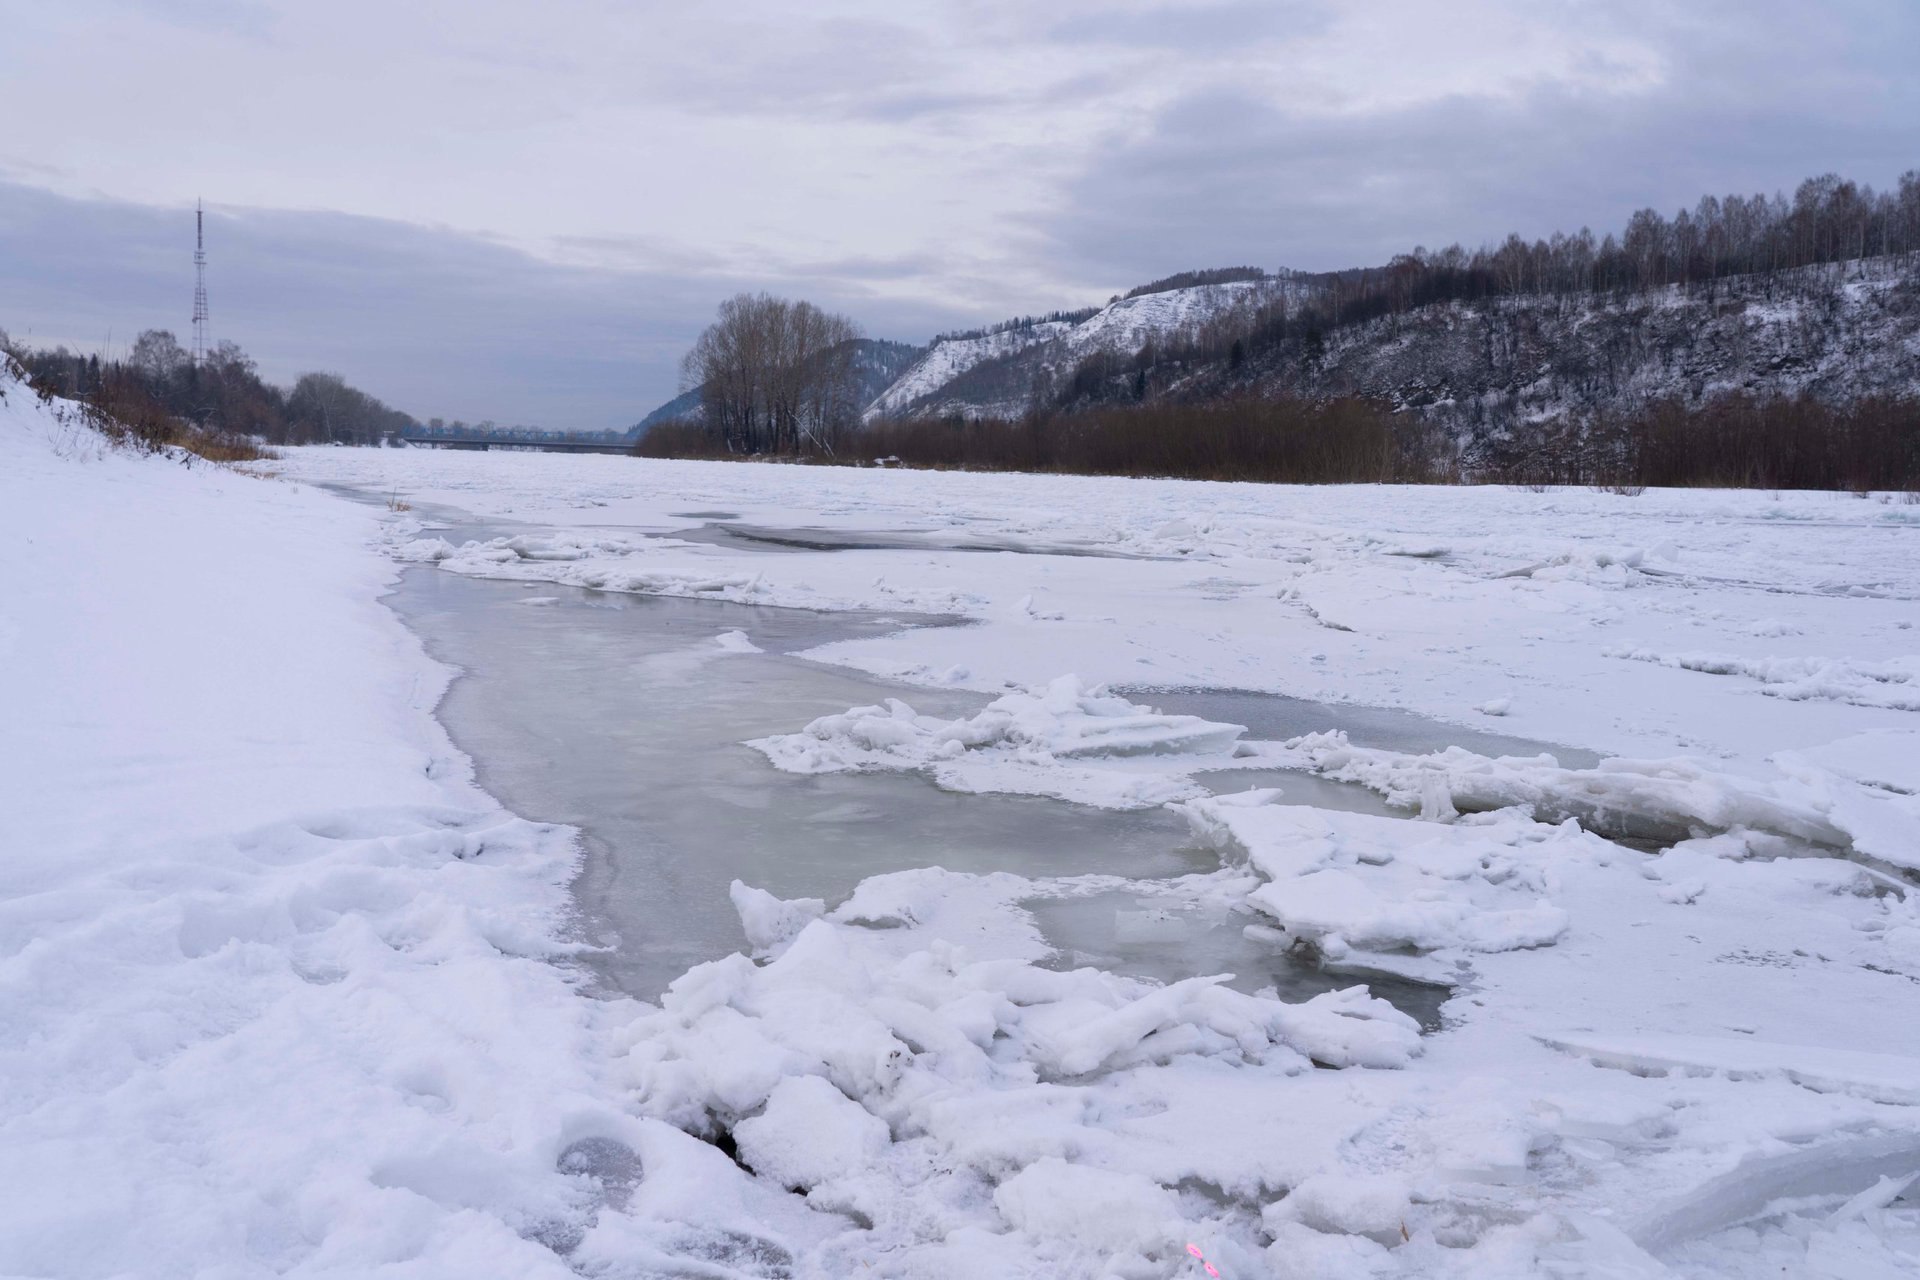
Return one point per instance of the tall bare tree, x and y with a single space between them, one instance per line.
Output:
774 375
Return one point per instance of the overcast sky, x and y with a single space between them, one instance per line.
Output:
525 211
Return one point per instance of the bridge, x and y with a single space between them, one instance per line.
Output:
533 442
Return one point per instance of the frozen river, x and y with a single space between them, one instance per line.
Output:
626 716
1285 736
623 716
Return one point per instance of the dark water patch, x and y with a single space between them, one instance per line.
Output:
1300 788
759 538
451 523
622 715
1276 717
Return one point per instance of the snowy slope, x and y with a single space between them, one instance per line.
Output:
937 384
1839 333
950 358
274 995
684 405
1128 324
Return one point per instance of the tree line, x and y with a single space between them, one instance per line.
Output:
1737 441
1733 441
1194 280
1829 219
1074 316
223 395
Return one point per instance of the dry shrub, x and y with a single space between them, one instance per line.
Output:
217 447
122 409
1290 441
1733 442
680 439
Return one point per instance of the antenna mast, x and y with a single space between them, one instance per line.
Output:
200 285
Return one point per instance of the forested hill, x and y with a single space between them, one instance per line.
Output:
1817 294
1839 332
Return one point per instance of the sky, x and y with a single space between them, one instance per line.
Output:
526 212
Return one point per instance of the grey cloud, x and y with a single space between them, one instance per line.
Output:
246 18
994 201
434 321
1224 178
1185 28
839 69
899 106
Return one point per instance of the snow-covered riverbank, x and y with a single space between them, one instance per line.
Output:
274 983
279 987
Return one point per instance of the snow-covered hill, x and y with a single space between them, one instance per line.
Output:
996 374
1838 332
948 359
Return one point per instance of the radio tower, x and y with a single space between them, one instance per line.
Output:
199 285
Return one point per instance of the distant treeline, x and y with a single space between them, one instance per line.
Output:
1736 441
1290 441
1194 280
457 429
1829 219
1018 322
223 395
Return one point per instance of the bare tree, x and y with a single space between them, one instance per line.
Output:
325 406
774 375
158 357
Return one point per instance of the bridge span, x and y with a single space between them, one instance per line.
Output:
528 444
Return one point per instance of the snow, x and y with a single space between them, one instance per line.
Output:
276 979
1893 684
1122 326
1017 744
736 641
993 1066
809 1133
771 922
1340 881
283 991
947 360
1056 1200
1882 1077
1885 758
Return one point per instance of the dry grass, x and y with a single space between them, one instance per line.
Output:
224 448
122 410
